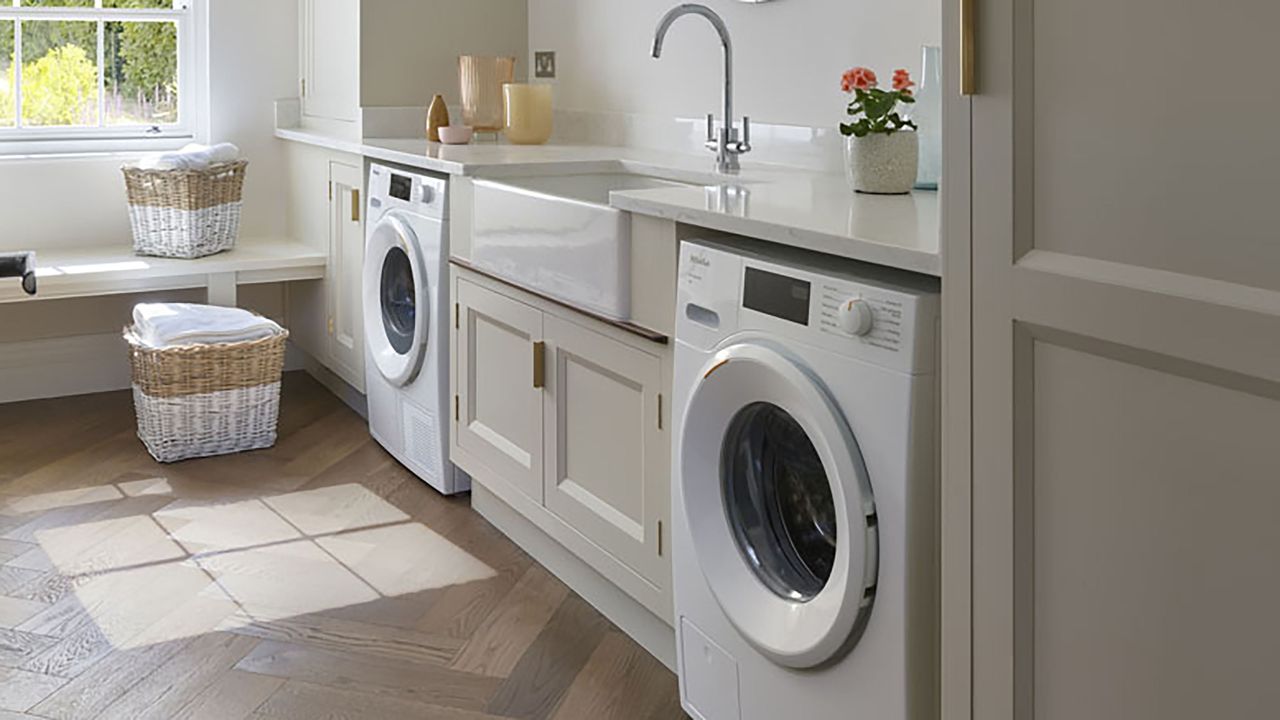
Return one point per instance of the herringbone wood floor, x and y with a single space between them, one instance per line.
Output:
315 580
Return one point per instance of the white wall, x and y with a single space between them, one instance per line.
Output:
789 54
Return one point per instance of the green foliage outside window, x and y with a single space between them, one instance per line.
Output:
140 74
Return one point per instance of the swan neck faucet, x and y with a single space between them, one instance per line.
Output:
726 143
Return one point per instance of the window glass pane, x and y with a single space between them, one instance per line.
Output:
59 73
53 3
7 111
145 4
141 73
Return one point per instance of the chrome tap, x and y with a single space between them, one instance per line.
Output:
726 143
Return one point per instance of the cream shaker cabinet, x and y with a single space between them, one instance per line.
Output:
330 62
498 399
569 416
325 211
605 472
345 322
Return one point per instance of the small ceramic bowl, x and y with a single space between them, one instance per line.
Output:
456 134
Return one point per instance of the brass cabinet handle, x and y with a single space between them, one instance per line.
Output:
968 71
539 365
355 205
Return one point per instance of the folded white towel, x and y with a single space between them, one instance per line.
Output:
191 157
161 325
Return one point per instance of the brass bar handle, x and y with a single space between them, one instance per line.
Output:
355 205
539 365
968 69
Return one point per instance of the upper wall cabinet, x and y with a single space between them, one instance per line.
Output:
330 62
359 54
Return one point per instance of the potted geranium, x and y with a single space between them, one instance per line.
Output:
882 150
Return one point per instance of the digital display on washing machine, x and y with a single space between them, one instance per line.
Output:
777 295
401 187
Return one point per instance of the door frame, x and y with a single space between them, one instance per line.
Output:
956 494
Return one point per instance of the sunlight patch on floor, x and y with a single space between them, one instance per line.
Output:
202 564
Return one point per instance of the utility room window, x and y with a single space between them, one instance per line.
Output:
83 75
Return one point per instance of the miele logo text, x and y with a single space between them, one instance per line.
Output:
699 259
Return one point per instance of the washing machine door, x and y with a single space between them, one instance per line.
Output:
397 312
779 505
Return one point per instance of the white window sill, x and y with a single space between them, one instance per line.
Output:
58 149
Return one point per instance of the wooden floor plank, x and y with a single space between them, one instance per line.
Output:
20 690
499 644
85 697
15 611
233 696
397 678
17 647
307 701
621 682
545 672
10 549
339 635
186 675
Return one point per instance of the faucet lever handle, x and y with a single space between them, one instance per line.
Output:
711 127
745 145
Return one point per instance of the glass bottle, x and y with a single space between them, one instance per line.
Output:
927 114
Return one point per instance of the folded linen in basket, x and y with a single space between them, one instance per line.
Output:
191 157
161 325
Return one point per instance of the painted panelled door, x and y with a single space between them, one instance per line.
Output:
1124 248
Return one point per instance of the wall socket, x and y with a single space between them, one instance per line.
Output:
544 64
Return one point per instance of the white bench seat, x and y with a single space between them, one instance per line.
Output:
113 270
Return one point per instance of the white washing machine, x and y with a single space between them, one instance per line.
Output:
406 315
805 486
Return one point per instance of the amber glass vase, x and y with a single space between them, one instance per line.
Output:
481 78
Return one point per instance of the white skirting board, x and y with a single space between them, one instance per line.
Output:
77 365
647 629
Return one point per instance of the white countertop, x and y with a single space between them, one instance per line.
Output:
806 209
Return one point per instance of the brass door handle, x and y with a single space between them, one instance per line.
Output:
355 205
968 69
539 365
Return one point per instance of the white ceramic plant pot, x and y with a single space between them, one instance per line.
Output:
882 164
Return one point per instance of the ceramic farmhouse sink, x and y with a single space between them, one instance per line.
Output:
557 235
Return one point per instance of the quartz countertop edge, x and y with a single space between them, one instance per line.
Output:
799 208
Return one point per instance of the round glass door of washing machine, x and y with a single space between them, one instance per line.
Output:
779 505
397 312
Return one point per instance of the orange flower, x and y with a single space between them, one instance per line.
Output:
858 78
902 81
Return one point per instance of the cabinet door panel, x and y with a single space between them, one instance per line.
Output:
331 59
607 466
346 257
499 419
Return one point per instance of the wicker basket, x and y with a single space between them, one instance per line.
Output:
201 400
185 213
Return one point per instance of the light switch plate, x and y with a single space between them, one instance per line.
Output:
544 64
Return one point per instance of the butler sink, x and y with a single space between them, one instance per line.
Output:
557 236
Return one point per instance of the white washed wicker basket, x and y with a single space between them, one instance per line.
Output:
185 213
201 400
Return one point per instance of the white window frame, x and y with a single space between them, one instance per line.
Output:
191 18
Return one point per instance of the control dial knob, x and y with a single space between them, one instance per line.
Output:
856 317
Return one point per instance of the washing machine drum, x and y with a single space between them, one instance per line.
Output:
397 311
780 507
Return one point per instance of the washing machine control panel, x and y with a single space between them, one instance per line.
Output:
414 192
846 307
